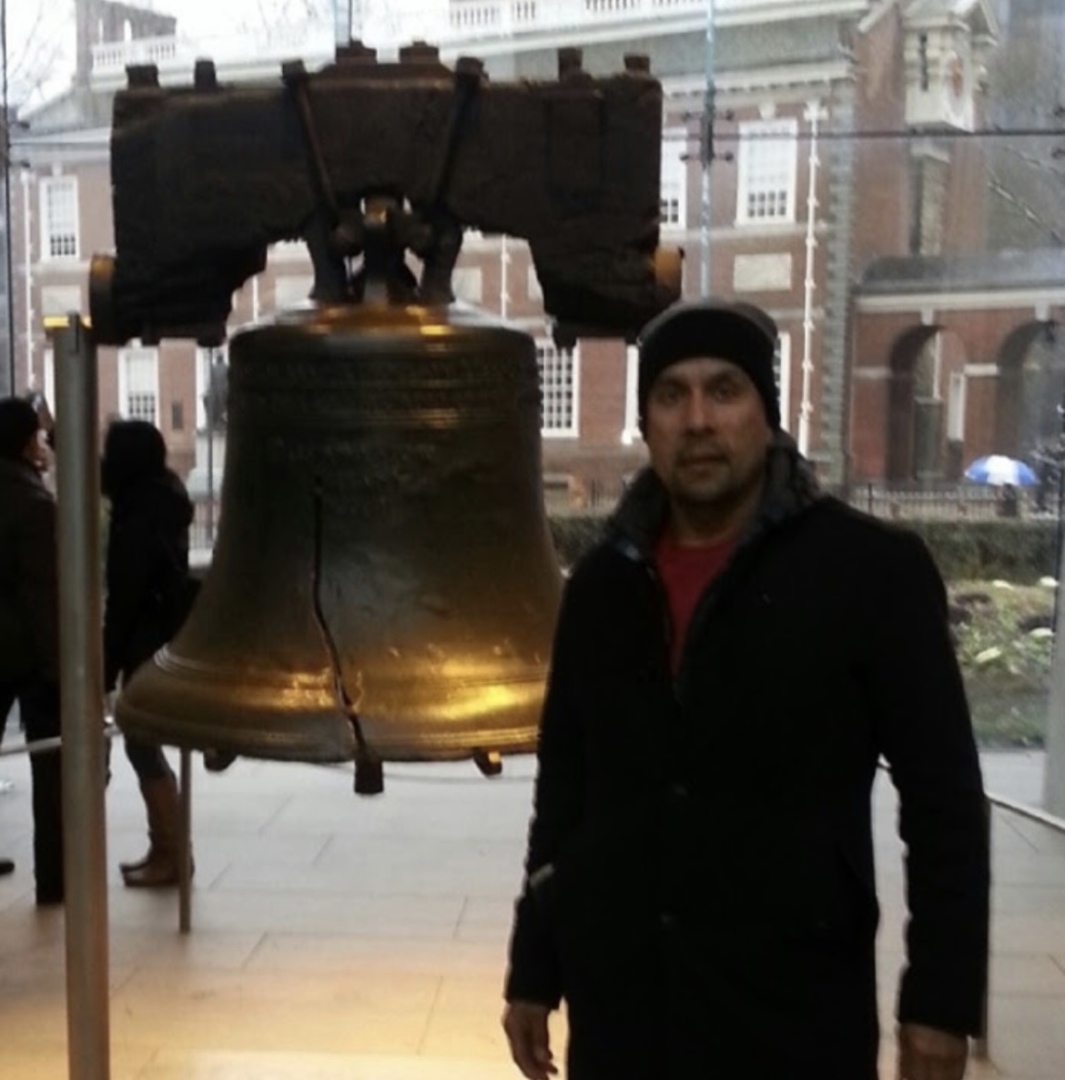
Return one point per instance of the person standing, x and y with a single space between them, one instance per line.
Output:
730 663
29 631
147 584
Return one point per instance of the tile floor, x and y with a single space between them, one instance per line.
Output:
343 938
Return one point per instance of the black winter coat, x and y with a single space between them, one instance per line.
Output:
29 596
700 884
147 573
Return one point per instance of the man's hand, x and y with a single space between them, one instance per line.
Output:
525 1024
929 1054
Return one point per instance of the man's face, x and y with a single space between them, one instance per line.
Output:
707 432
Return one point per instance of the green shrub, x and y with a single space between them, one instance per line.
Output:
1018 551
1006 668
1021 551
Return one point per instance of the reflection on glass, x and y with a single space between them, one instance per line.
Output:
886 178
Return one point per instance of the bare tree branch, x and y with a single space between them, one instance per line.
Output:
36 45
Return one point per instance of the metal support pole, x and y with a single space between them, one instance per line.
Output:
981 1051
209 524
707 152
185 846
806 408
1054 769
8 378
82 693
1054 774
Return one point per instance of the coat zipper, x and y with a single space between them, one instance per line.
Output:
663 610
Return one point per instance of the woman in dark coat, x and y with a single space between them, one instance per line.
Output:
147 590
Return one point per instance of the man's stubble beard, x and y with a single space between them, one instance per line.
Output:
718 500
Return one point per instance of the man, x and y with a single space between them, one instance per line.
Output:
29 636
730 663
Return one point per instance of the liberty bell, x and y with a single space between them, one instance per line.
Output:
384 573
383 585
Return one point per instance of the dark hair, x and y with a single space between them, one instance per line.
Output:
18 424
134 451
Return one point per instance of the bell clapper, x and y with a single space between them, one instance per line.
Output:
490 762
369 774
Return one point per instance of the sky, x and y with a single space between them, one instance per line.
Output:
40 33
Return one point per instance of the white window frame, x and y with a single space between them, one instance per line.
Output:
759 174
48 377
204 360
125 357
937 369
673 183
782 375
59 245
549 356
630 432
957 394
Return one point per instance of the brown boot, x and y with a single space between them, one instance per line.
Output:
137 864
161 866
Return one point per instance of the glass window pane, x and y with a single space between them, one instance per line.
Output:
558 388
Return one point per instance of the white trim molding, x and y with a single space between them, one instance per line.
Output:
984 300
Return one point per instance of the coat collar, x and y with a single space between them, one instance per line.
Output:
21 472
791 488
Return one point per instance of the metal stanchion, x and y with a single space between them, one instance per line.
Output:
41 746
981 1045
81 688
185 842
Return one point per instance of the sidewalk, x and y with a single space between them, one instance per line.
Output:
343 938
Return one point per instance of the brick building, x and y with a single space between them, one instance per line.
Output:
839 181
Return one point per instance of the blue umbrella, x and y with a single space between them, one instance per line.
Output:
997 469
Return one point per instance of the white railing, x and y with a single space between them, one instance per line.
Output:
386 25
475 18
143 51
181 52
481 18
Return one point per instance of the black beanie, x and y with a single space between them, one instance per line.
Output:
18 424
740 333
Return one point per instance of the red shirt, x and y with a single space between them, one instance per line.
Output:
686 572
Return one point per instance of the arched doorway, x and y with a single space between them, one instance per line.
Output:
926 407
1031 391
900 464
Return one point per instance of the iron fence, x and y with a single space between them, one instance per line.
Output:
914 502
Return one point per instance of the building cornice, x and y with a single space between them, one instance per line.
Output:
745 12
763 78
1038 299
73 139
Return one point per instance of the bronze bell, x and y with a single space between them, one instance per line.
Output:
384 584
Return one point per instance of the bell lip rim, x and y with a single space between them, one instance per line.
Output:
298 744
